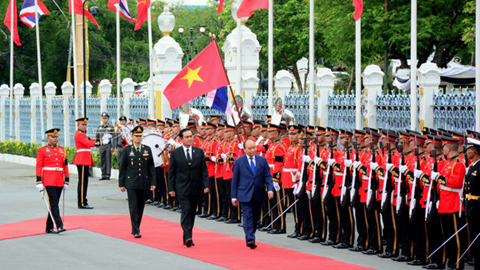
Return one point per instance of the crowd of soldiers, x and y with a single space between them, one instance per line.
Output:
404 195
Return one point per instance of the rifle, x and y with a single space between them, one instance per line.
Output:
413 199
356 181
346 181
328 186
304 175
315 179
387 182
432 189
371 189
463 182
401 188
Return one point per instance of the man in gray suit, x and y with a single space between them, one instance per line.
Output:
105 151
188 181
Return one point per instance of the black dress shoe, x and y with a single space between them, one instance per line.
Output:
179 210
155 203
220 219
264 229
315 240
471 262
416 262
357 249
61 229
277 231
137 235
370 252
167 207
160 205
240 225
433 266
85 207
327 243
293 235
385 255
52 231
232 221
212 217
251 244
402 258
101 179
303 238
174 208
149 201
203 216
189 242
340 246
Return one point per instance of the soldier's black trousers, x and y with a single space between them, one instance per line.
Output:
451 223
82 185
319 218
362 225
333 214
390 229
54 194
136 204
374 227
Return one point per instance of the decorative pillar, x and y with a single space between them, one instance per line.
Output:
325 83
428 81
128 87
372 82
67 92
302 67
283 83
105 89
4 92
18 91
50 90
34 94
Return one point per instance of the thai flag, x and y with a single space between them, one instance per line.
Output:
218 99
123 9
27 14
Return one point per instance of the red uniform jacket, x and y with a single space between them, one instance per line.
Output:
52 166
83 145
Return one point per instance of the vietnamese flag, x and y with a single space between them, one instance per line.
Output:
358 4
247 7
78 10
142 13
202 75
8 22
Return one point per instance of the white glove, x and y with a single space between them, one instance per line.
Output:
105 141
317 160
276 186
65 186
178 144
356 164
306 158
373 165
39 187
434 175
417 173
331 161
214 159
347 162
403 168
106 136
171 141
389 166
295 191
240 146
224 156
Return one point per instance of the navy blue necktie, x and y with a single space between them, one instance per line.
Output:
252 165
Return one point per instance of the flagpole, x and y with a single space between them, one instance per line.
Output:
11 67
39 60
477 66
151 96
358 74
311 56
118 60
75 75
239 59
270 56
413 66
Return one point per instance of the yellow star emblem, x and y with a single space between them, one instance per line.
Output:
192 75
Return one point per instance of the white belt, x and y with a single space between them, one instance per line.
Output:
458 190
290 170
364 177
84 150
397 180
271 165
338 174
58 169
381 178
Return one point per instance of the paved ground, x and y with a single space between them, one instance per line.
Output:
81 249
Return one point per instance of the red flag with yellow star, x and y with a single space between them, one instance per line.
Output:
202 75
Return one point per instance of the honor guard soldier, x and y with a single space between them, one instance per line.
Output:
212 198
197 139
160 126
257 130
105 131
275 158
219 169
123 139
142 122
83 160
472 196
231 152
52 175
137 177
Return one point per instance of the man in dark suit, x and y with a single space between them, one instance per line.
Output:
472 197
188 180
137 176
251 175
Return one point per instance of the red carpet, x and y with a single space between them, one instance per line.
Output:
211 247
